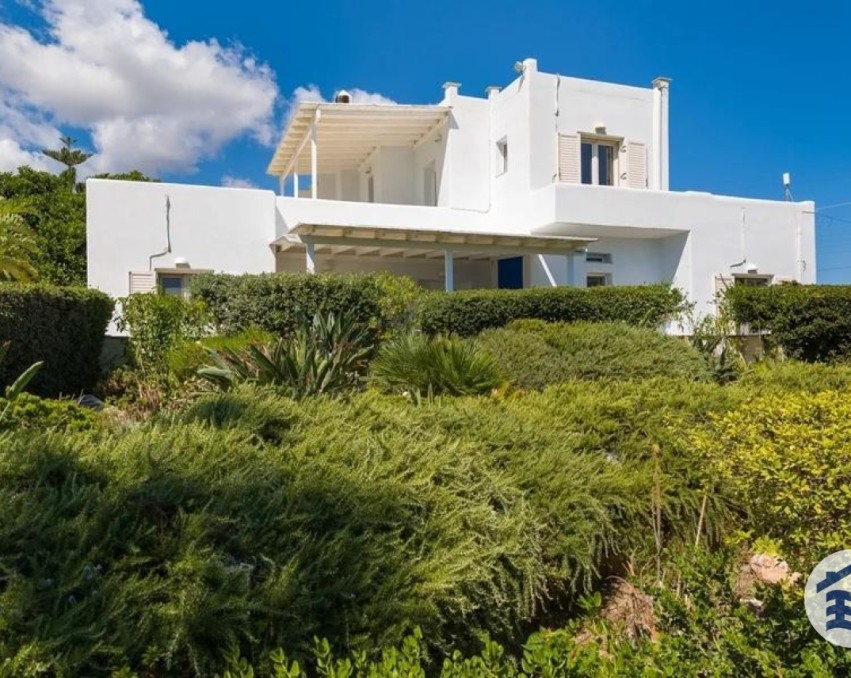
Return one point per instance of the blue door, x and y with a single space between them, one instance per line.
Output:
510 273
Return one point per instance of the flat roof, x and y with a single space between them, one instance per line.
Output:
347 134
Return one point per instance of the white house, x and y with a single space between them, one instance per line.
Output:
549 181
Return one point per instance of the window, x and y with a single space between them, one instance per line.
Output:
753 280
598 280
502 156
598 257
598 160
174 285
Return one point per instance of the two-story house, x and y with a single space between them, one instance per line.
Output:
548 181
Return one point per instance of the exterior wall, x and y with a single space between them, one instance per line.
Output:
224 229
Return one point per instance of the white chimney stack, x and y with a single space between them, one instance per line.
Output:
660 175
450 91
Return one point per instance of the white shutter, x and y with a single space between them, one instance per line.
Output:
569 155
635 171
722 284
142 282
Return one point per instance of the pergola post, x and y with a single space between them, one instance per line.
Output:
295 183
449 270
314 161
310 256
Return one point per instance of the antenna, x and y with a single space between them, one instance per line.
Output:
787 186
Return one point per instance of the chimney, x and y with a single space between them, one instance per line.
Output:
450 91
661 173
492 91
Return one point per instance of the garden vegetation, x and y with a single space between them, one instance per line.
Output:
368 480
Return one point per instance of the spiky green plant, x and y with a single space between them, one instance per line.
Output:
328 355
18 386
425 366
18 246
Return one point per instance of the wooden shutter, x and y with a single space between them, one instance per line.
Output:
143 282
569 155
635 170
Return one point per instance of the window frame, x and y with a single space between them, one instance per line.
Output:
595 141
598 257
183 273
753 279
606 278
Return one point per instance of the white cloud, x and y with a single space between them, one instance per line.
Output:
312 93
148 103
236 182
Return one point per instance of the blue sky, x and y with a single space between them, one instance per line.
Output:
758 88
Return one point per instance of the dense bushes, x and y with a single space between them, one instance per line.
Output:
535 354
277 302
469 312
62 326
785 457
255 521
810 322
31 412
157 324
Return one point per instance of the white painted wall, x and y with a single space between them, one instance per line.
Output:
224 229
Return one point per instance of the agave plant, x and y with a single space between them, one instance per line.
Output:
18 386
327 355
422 366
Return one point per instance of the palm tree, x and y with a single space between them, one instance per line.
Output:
70 157
17 243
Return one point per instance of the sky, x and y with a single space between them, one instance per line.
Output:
199 92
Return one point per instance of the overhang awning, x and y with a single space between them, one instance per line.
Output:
347 134
428 239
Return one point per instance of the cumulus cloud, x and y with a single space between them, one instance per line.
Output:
312 93
236 182
147 103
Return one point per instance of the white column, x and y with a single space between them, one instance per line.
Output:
660 175
314 162
578 269
310 256
295 182
281 181
449 270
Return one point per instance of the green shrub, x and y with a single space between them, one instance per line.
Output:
467 313
424 366
327 356
535 354
62 326
189 355
810 322
156 324
28 411
698 629
785 458
257 522
278 302
791 376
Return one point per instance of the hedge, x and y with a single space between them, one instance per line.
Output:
275 302
63 326
810 322
467 313
535 354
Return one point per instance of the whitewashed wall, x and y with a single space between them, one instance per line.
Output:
224 229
